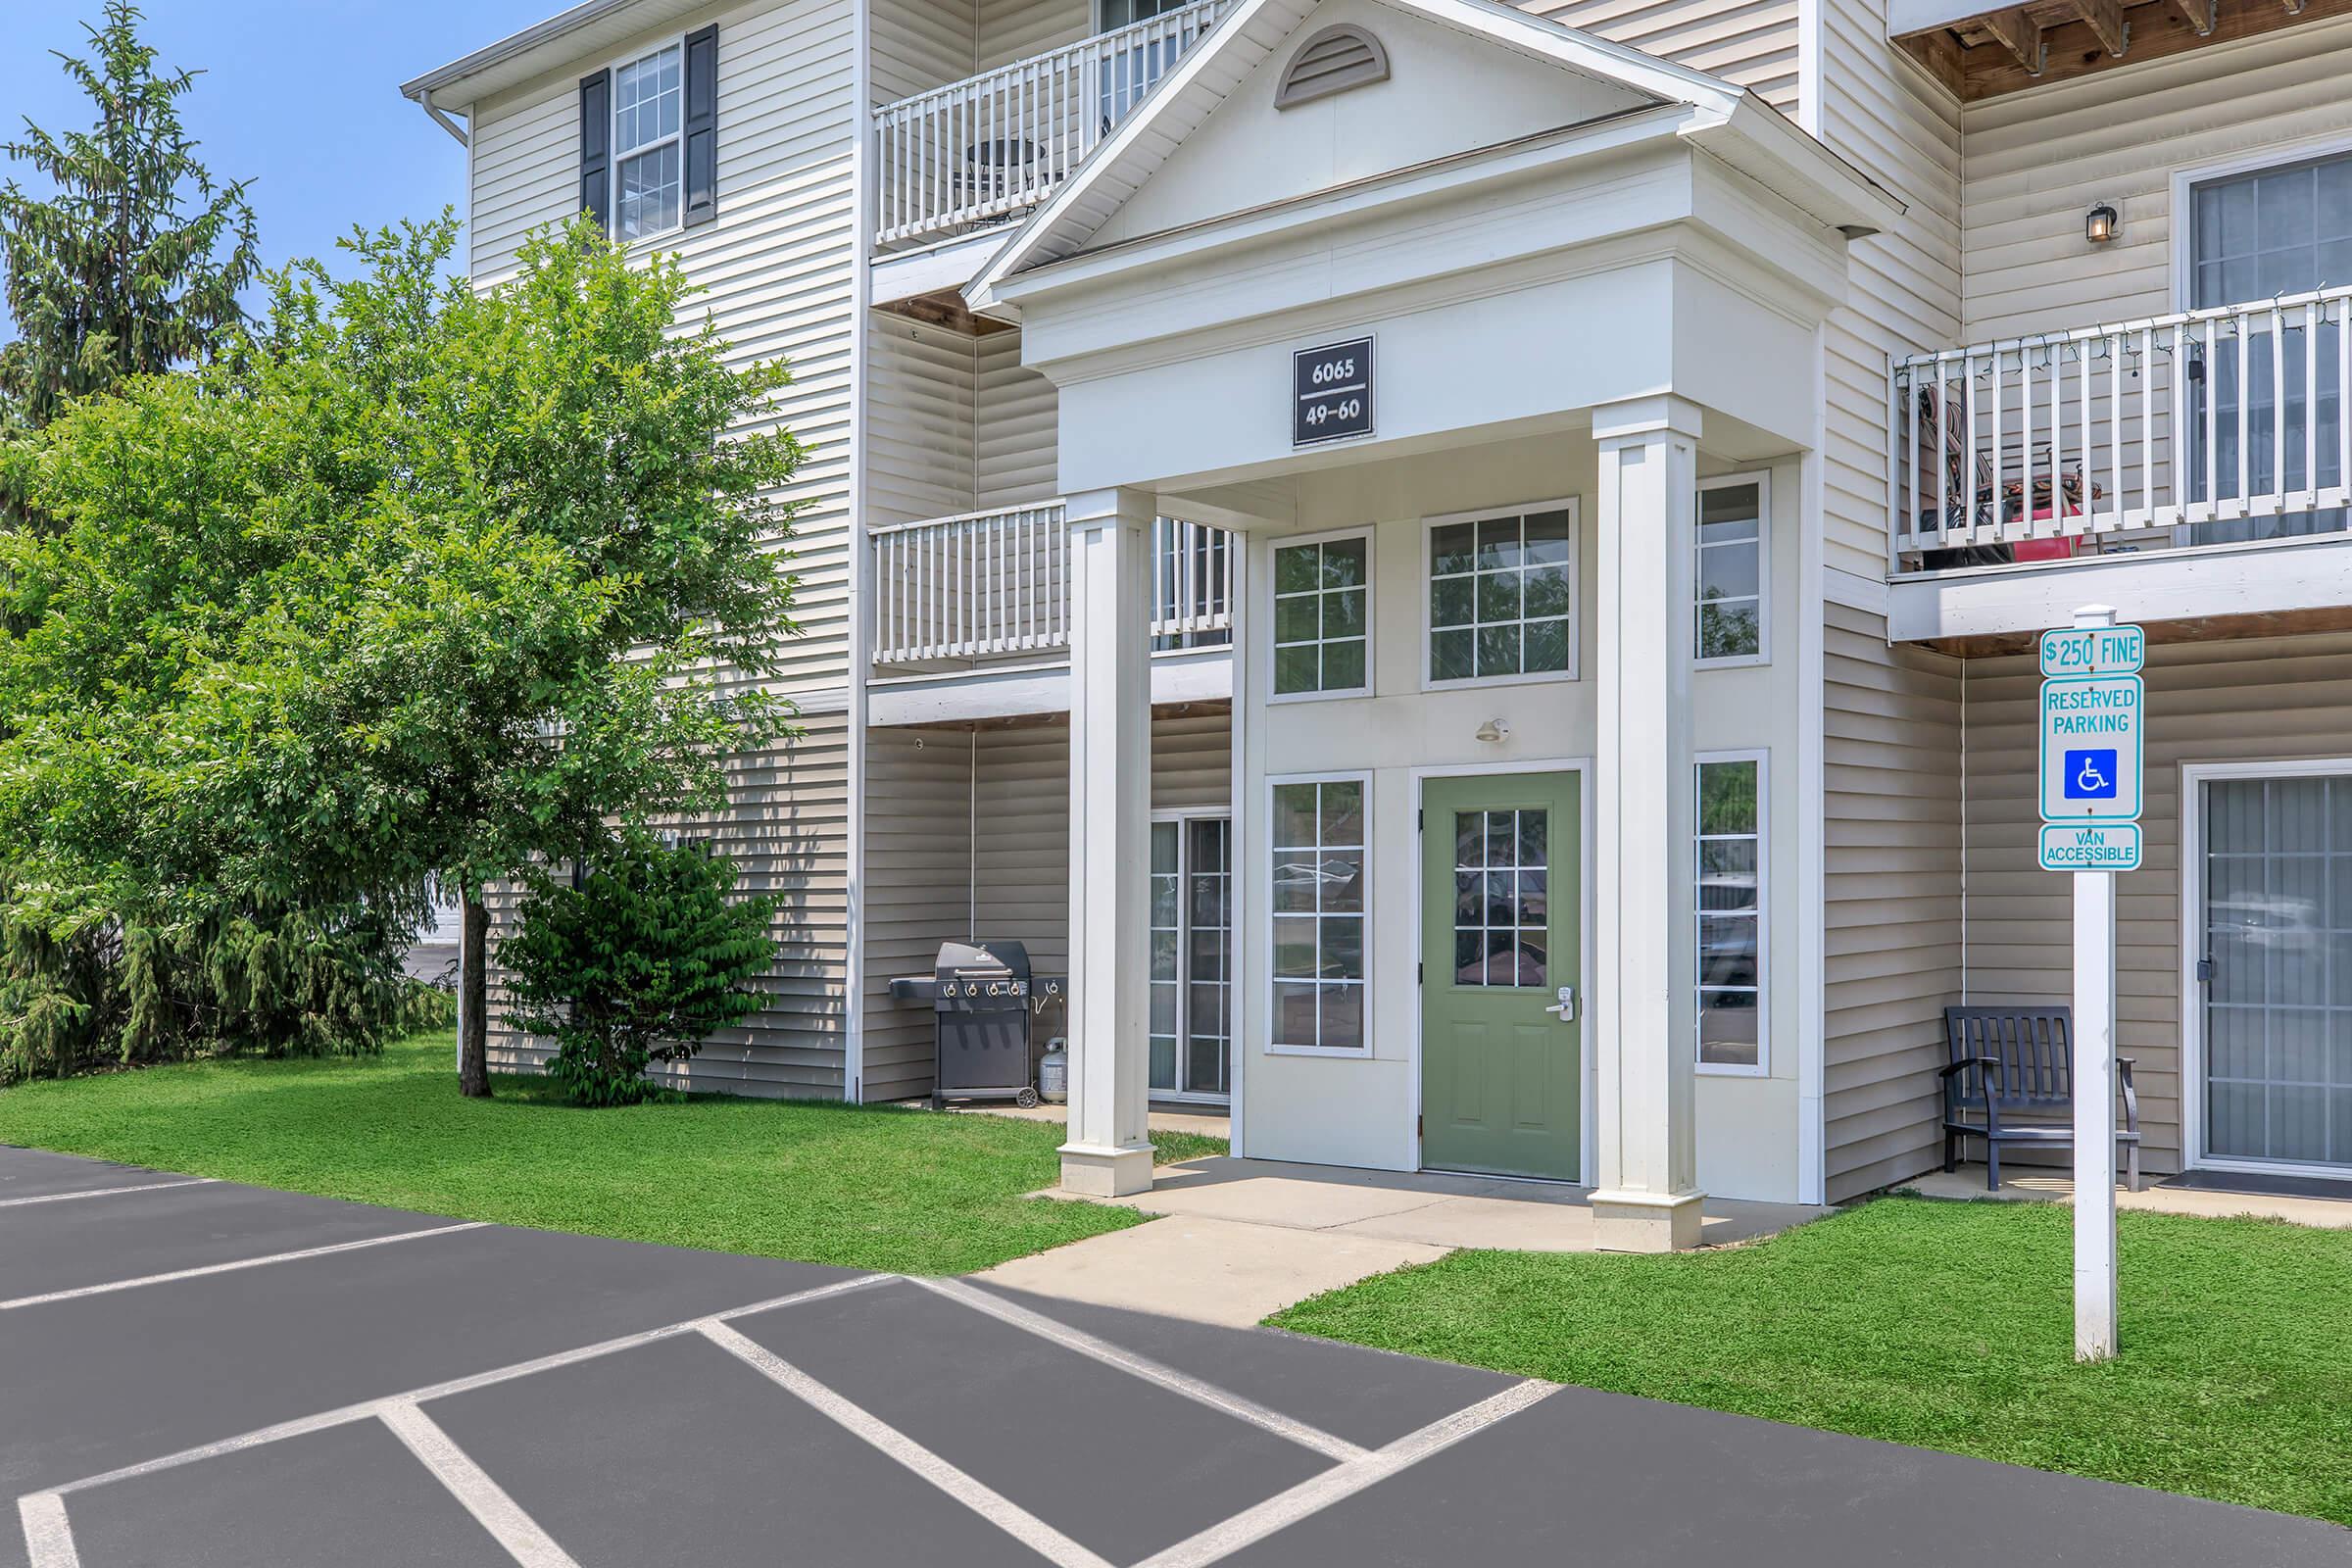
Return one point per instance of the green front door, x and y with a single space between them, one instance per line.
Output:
1501 1076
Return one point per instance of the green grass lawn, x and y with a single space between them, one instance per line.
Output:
876 1188
1948 1325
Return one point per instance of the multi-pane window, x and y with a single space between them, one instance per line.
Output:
1728 576
1729 865
1502 898
648 159
1322 615
1503 595
1318 875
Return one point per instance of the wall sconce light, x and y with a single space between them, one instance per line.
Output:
2100 224
1494 730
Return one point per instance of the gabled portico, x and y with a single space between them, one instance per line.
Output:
1585 277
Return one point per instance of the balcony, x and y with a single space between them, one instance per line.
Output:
995 586
2189 437
980 150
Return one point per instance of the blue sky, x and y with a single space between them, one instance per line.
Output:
301 96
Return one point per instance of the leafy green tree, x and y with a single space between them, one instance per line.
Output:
136 263
426 581
635 965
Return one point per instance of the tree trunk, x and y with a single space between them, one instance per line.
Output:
473 992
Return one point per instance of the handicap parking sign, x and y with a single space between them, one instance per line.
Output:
2091 747
2089 775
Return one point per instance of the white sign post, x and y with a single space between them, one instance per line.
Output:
2092 744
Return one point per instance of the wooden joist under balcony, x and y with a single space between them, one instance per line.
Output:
1983 53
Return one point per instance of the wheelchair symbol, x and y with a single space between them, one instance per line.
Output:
2090 775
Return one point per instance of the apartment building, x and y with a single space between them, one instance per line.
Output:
1469 572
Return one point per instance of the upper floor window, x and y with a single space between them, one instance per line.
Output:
2274 232
1503 595
1727 580
648 170
1323 615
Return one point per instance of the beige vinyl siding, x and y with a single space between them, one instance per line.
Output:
1015 29
919 421
1018 459
918 888
928 880
777 270
1902 130
1749 42
2037 161
916 46
2247 700
1891 895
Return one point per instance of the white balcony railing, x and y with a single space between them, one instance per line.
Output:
992 584
994 144
2202 427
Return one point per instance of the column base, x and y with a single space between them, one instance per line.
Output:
1093 1172
1645 1222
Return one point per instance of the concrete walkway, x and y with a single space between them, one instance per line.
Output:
2028 1185
1245 1238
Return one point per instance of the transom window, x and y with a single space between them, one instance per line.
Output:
1503 595
1729 575
1318 875
1730 866
1322 615
1502 898
648 97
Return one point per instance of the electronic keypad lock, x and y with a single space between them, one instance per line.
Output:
1565 1008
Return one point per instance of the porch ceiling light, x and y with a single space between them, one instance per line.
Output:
1492 730
2100 224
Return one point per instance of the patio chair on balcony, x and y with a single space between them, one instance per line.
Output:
1968 484
996 170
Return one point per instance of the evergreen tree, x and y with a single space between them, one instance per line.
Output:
134 265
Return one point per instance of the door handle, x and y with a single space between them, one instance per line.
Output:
1564 1010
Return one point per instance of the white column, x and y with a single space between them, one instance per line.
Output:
1645 994
2095 1097
1108 1154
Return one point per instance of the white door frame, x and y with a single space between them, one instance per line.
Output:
2193 778
1183 816
1582 767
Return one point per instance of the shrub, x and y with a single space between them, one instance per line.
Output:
634 965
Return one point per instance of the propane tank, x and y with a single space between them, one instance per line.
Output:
1053 1071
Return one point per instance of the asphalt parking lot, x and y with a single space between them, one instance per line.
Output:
194 1373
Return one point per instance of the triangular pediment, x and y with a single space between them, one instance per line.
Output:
1462 75
1448 92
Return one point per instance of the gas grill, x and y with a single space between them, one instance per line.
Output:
981 996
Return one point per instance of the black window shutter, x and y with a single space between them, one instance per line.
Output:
702 126
595 147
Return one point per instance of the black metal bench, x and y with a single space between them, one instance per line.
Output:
2015 1061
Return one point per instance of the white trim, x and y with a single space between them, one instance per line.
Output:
1761 479
1761 758
2193 778
1363 531
2186 176
1589 1132
1243 649
1424 582
677 139
1363 1051
1811 850
860 667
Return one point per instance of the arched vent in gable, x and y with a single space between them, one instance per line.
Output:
1334 60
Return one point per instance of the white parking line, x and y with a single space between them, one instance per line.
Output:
302 1426
472 1486
110 1192
227 1268
48 1535
1151 1371
990 1504
1318 1492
